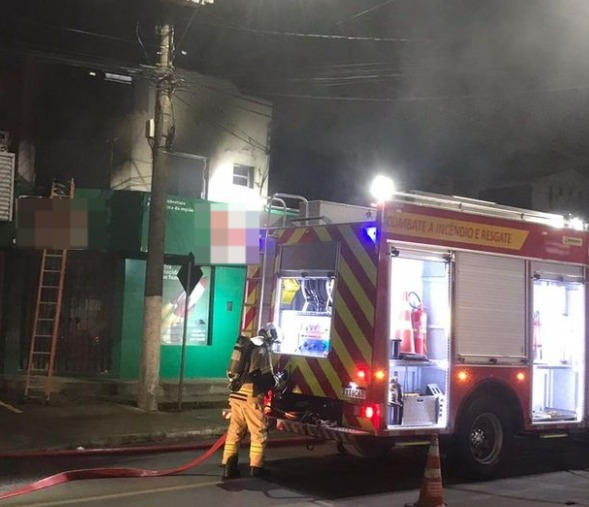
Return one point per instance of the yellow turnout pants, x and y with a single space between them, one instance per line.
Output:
247 414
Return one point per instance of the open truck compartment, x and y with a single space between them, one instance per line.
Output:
305 285
558 334
419 338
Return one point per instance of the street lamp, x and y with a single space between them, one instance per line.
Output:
382 188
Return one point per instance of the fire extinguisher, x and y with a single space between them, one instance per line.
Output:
419 324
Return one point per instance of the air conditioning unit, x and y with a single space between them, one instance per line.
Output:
7 168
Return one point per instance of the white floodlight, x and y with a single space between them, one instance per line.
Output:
577 224
558 222
382 188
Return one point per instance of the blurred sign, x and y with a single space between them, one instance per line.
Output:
51 223
216 233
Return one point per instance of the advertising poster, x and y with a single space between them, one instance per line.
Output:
173 307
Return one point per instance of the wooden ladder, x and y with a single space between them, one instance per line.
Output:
45 329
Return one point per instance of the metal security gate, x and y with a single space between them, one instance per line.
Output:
88 314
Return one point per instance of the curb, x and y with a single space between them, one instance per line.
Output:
117 446
119 442
157 436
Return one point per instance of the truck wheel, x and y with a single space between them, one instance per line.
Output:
485 435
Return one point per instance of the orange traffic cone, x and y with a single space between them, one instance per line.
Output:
432 491
404 331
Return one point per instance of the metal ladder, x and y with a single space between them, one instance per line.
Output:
45 327
256 306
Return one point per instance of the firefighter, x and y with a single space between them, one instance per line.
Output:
251 376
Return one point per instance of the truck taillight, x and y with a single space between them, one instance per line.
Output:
362 374
371 412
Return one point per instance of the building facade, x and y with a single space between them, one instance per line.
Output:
220 154
563 192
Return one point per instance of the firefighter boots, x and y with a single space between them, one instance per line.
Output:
230 469
259 472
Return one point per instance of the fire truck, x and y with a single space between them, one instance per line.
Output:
426 314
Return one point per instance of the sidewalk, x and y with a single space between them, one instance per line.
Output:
81 418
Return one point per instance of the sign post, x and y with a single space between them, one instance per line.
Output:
189 275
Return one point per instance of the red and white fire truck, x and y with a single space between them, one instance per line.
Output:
428 314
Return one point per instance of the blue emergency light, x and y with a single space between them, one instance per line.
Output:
372 233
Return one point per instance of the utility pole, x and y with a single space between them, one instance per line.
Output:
162 142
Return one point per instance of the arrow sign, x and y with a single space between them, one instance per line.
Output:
189 275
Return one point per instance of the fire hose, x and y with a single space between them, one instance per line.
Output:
109 473
112 473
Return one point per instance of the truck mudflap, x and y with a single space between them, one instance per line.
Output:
322 432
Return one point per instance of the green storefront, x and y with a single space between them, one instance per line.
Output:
220 317
103 298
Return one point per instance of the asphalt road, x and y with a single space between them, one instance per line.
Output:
554 472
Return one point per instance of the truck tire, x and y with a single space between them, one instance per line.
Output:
485 436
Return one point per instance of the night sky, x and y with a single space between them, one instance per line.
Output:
441 95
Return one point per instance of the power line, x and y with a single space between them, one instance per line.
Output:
82 60
140 71
138 35
247 139
352 79
363 13
425 98
179 45
78 31
253 111
316 35
196 82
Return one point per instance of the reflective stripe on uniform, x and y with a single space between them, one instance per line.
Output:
247 389
237 396
246 415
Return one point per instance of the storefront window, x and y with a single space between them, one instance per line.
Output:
174 307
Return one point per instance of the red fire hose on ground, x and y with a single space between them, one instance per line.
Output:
109 473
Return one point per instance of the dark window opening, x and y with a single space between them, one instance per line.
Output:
243 175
